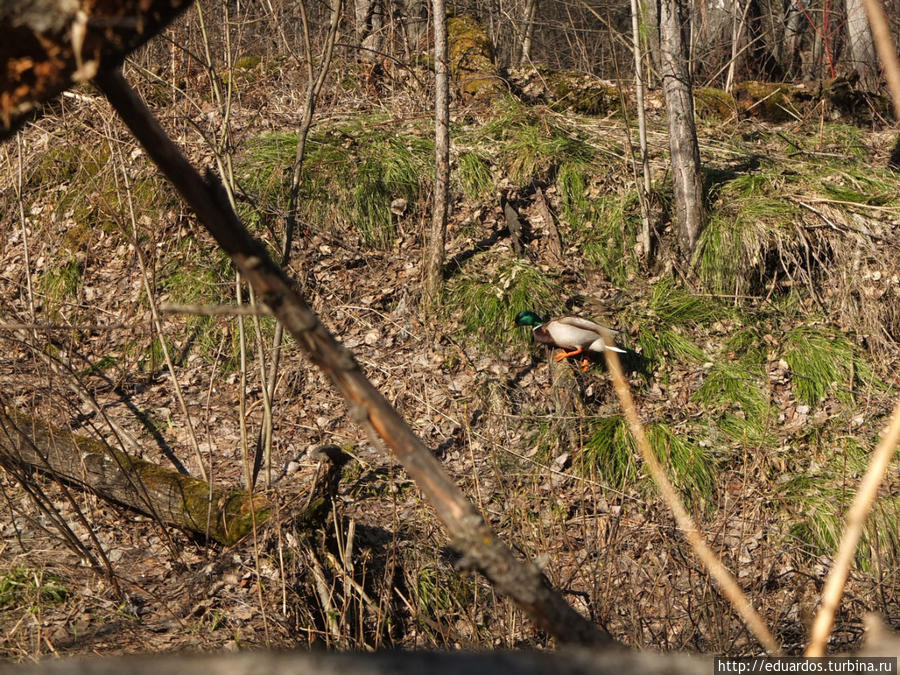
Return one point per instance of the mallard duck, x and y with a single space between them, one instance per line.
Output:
569 333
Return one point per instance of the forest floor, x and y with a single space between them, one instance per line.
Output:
767 370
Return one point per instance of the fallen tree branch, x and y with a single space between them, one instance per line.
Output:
481 549
49 45
171 497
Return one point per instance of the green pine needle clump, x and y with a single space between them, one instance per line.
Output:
474 173
611 454
23 587
487 301
670 313
823 363
734 395
351 173
528 142
819 496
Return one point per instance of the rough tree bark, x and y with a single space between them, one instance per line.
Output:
862 46
683 146
49 45
369 15
787 44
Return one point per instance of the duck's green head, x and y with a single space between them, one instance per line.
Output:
528 318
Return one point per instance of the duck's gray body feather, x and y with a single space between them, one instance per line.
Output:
572 332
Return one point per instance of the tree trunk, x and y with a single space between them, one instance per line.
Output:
50 45
862 47
789 44
415 25
814 66
528 33
369 15
434 272
644 186
683 146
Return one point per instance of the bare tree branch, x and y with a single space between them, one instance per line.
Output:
471 535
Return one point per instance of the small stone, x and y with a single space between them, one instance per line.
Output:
398 206
562 461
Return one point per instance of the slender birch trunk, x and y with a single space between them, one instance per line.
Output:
683 146
434 271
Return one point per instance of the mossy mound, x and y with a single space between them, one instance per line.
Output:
583 94
780 102
710 102
773 101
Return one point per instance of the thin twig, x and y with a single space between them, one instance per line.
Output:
717 570
324 593
481 547
856 519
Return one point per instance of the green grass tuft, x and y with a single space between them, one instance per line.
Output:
610 453
529 143
21 587
823 362
486 302
351 172
733 392
202 277
818 498
475 175
61 282
59 285
670 313
674 305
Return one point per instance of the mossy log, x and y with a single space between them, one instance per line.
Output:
710 102
780 102
472 67
568 90
773 101
223 515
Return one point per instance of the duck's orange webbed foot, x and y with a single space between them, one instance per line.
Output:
565 355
